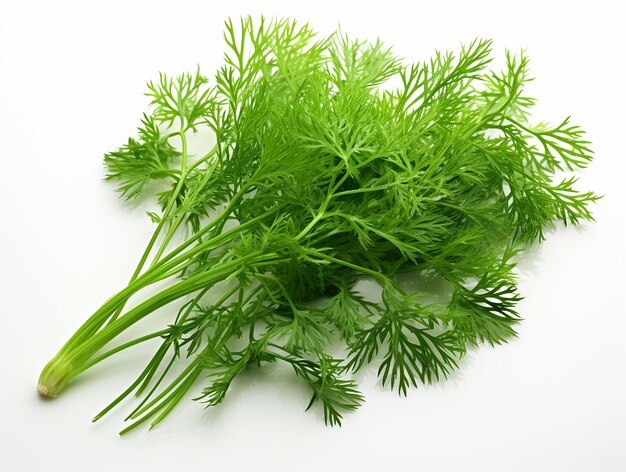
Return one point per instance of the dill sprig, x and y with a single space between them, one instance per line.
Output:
333 161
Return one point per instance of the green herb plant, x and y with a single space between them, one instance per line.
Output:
331 160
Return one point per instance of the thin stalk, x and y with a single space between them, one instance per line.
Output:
192 365
180 385
166 213
167 343
121 397
168 237
156 385
170 402
121 347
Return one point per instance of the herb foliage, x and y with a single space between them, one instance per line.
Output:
333 160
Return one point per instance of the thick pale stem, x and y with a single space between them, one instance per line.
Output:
91 327
70 362
53 378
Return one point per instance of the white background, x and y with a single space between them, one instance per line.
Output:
72 79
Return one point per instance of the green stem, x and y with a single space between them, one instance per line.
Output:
166 268
166 213
69 362
364 270
120 348
185 379
168 237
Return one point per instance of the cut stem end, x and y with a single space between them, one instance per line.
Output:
45 391
54 377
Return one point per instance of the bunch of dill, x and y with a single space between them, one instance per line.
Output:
332 161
